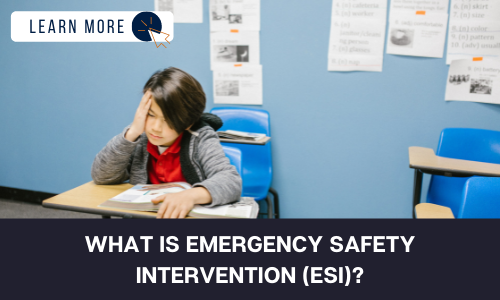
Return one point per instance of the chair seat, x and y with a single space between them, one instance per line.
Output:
467 144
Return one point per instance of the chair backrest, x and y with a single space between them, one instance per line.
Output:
257 166
461 143
244 119
480 198
235 157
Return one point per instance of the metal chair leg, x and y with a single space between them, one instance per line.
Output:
276 203
269 208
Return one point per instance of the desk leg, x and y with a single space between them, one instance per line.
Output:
417 189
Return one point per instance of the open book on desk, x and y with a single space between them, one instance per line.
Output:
233 136
139 198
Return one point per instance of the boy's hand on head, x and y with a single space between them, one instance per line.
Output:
141 114
178 205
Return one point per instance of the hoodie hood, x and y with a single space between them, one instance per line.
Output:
208 119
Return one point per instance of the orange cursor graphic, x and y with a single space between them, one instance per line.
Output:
158 35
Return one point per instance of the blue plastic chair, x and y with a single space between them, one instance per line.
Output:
257 166
235 157
480 198
461 143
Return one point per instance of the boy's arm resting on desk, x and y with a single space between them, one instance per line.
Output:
111 164
222 180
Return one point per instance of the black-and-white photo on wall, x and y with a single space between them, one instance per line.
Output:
234 48
474 79
238 85
226 15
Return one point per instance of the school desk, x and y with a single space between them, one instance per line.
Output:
424 160
433 211
87 197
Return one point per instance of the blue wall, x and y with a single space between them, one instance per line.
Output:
340 140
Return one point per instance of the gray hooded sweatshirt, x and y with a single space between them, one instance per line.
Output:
203 161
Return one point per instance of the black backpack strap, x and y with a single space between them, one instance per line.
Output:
188 170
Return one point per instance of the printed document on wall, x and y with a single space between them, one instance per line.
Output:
474 29
185 11
357 34
238 85
474 79
228 15
417 34
417 27
411 6
234 48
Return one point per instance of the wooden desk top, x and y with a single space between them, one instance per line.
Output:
425 160
433 211
87 197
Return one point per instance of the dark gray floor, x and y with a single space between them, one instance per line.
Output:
21 210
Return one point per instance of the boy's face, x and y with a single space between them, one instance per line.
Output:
157 129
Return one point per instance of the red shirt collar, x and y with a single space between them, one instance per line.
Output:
174 148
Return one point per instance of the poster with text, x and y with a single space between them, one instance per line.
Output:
417 34
234 48
226 15
476 80
238 85
474 29
357 34
185 11
427 6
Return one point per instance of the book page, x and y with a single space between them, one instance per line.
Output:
146 192
240 209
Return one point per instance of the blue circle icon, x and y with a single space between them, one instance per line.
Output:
143 22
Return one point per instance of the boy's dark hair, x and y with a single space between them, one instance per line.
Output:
179 95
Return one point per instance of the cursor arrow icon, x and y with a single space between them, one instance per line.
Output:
159 37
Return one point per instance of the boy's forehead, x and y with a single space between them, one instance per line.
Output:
155 108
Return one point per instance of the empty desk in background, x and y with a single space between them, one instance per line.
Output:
86 199
432 211
423 160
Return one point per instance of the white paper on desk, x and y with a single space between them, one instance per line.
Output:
477 81
238 85
235 211
467 39
417 35
357 33
234 48
226 15
411 6
185 11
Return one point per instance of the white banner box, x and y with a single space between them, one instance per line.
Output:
92 26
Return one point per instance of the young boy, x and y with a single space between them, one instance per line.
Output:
170 140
